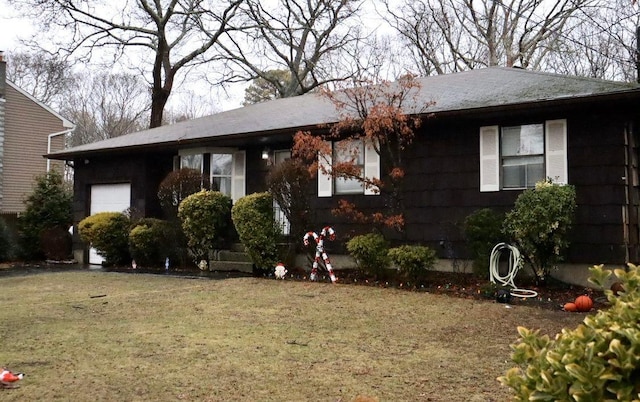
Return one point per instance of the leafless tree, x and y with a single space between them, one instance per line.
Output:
603 44
189 106
445 36
105 106
45 77
167 36
314 41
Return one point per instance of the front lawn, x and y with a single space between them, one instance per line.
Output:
89 336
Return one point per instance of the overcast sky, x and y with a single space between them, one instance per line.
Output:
11 27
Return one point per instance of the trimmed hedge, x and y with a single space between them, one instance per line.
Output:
413 261
108 233
370 251
254 221
206 221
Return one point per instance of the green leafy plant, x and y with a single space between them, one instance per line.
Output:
6 244
597 361
413 261
371 253
151 241
539 224
483 230
48 206
253 219
108 233
206 221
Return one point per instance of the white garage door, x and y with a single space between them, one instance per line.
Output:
108 198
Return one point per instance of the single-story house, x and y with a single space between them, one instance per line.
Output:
490 134
28 129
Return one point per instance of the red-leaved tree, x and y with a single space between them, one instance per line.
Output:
384 117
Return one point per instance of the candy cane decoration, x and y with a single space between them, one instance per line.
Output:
327 232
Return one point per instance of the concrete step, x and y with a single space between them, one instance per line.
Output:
227 255
239 266
237 247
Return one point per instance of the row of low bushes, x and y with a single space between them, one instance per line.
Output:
207 221
374 256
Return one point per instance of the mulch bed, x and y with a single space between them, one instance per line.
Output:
551 296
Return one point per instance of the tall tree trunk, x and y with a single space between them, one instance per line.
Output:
159 98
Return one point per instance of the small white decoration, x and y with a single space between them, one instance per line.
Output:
280 271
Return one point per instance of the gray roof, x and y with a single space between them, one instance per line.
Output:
469 90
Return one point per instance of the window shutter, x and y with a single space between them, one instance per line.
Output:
325 184
371 167
556 151
238 175
489 159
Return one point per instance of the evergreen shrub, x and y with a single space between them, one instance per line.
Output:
151 241
108 233
597 361
483 230
259 233
539 224
370 251
206 222
48 206
413 261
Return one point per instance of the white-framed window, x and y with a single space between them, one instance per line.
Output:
522 155
364 156
225 168
516 157
221 172
191 161
352 152
279 156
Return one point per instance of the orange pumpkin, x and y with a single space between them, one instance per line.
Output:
570 307
584 303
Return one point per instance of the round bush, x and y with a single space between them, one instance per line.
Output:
254 221
108 233
370 252
206 220
539 224
151 241
413 261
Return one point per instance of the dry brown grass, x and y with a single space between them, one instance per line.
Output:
154 338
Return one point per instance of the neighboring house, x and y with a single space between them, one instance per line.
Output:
28 129
490 134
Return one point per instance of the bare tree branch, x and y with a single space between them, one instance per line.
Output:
175 32
306 38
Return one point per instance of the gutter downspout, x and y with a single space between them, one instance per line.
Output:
50 137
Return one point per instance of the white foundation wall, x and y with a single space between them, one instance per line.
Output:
574 274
